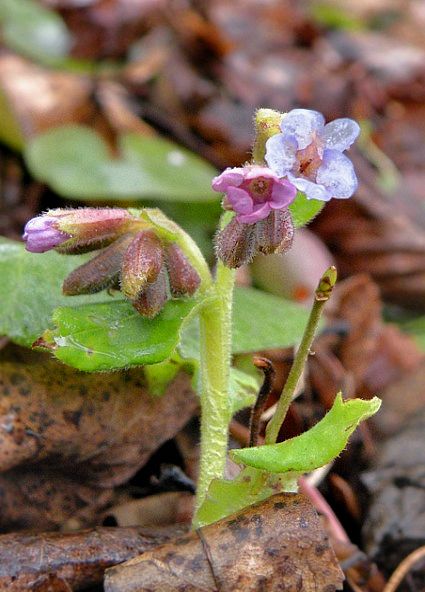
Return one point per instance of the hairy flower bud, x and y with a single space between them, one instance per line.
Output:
152 299
101 272
183 278
275 234
79 230
41 234
236 244
142 263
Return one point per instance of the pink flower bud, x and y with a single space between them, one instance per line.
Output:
77 230
151 301
275 233
41 234
101 272
142 263
183 278
236 244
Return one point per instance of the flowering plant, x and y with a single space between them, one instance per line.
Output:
159 269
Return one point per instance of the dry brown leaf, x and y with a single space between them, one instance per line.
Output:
52 562
39 98
275 545
162 509
40 498
103 427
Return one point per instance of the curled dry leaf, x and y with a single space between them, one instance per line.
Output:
97 429
41 498
274 545
52 562
36 99
359 352
366 237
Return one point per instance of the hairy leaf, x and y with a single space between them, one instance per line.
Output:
75 162
314 448
109 336
303 210
30 29
31 288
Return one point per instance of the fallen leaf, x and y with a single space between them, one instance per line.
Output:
52 562
274 545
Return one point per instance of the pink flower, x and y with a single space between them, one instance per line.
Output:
253 192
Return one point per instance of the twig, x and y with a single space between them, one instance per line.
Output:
254 425
403 569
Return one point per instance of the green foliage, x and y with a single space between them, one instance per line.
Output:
332 15
225 497
416 327
110 336
303 210
100 332
314 448
243 390
263 321
30 289
284 462
75 161
34 31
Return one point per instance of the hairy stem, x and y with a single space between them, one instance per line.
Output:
215 338
322 294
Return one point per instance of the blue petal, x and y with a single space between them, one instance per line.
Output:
337 174
311 190
340 134
280 153
302 123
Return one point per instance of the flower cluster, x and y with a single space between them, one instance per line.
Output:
131 257
307 155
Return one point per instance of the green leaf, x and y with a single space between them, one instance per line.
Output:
30 289
263 321
416 328
225 497
314 448
243 390
75 161
110 336
260 321
36 32
303 210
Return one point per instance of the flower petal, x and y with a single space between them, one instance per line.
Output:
259 212
311 190
255 171
340 134
283 193
302 123
228 178
240 200
280 153
337 174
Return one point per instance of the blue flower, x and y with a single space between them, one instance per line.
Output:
310 154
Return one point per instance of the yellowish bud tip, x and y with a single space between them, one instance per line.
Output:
326 284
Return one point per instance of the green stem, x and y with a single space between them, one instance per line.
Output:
215 339
322 295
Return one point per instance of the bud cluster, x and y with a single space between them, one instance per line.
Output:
131 257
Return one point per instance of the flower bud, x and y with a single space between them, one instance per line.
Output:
41 234
236 244
77 230
183 278
275 234
150 302
141 264
101 272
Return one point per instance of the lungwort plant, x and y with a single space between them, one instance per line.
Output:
165 309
